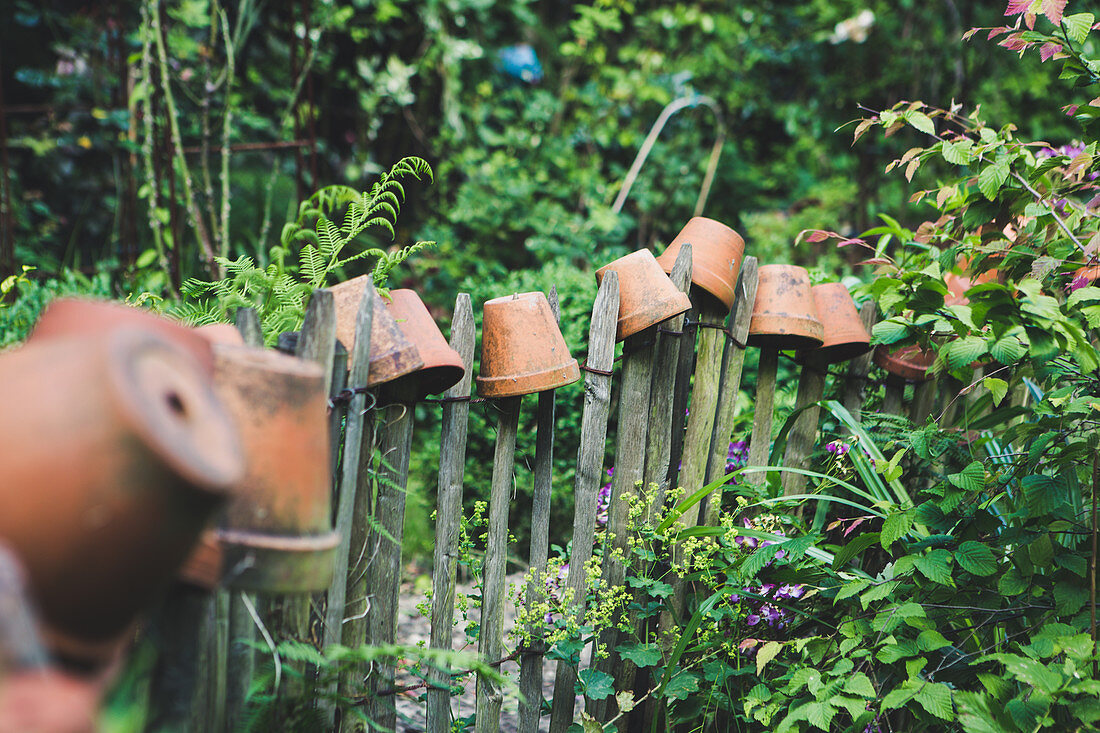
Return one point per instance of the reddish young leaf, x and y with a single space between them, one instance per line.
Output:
1048 49
994 32
1053 10
1015 7
861 128
818 235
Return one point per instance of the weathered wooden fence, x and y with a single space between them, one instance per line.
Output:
691 364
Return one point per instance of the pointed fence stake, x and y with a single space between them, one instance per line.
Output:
800 441
760 446
452 458
855 385
589 475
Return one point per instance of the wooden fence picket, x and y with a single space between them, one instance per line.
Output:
763 409
491 634
588 476
855 383
452 458
531 661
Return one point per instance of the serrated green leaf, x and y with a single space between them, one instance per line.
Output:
936 699
921 121
877 593
971 478
958 153
1078 26
992 178
976 558
859 684
1011 583
936 566
894 527
851 588
997 387
597 684
1080 295
765 654
682 684
1069 598
641 655
889 331
965 351
898 697
1010 348
930 640
978 713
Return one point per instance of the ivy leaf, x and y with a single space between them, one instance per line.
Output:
992 178
971 478
597 684
766 654
936 699
936 566
894 528
976 558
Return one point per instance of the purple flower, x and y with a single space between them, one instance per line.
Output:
752 619
838 447
1079 282
603 503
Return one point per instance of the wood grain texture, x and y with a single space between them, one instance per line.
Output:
629 470
384 546
855 383
803 434
924 398
663 391
530 668
733 365
895 394
248 323
491 637
761 443
588 476
452 460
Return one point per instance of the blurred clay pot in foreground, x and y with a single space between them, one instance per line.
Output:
845 336
277 531
48 701
114 453
522 349
908 362
443 366
82 317
784 315
646 295
716 253
391 354
221 333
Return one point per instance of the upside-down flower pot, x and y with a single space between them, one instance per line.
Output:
716 253
221 333
908 362
391 354
80 316
115 453
845 336
276 534
443 367
646 295
784 315
522 349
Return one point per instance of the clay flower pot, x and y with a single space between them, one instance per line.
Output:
79 316
48 701
443 366
784 315
109 475
845 336
646 295
277 532
221 333
908 362
716 253
522 349
391 354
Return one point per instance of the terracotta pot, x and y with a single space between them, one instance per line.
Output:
116 452
522 349
48 701
277 532
845 336
646 295
391 354
908 362
78 316
205 566
221 333
443 366
716 253
784 315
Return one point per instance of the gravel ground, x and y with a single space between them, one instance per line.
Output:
412 627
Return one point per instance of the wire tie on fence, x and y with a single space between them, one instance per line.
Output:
670 332
594 370
446 400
